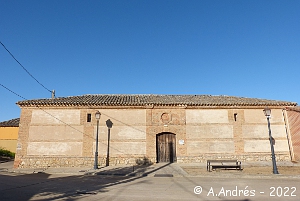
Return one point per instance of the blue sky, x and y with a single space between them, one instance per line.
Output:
237 48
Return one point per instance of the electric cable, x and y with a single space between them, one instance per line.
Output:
41 109
12 91
114 148
25 68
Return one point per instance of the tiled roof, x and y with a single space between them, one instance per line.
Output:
297 108
156 100
10 123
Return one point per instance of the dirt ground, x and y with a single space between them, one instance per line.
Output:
257 170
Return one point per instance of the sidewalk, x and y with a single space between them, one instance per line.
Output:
250 169
126 170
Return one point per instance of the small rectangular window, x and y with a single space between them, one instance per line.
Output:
89 118
235 116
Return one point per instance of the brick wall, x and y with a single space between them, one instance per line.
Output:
62 137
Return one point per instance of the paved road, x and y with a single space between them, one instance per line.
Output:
42 186
52 185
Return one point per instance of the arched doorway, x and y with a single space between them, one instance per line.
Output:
166 147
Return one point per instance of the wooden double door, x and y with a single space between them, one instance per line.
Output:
166 147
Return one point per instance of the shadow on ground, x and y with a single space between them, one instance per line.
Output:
136 170
43 186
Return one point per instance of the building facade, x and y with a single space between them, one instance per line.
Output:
61 132
9 134
293 128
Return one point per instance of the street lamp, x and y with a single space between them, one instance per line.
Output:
97 115
267 113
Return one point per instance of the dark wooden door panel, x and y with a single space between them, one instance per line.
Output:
166 147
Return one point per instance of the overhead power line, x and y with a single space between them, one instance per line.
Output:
40 108
12 91
114 148
25 68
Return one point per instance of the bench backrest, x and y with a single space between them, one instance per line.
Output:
220 161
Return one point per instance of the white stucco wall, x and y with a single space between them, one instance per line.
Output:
54 148
55 116
264 146
262 131
55 133
121 148
257 116
206 116
127 135
209 131
203 147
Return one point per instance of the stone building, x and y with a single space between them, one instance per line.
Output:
61 132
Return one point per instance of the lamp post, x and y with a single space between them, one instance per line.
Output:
97 115
267 113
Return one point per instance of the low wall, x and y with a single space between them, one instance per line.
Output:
45 162
246 157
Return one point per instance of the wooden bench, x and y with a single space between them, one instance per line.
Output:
223 163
